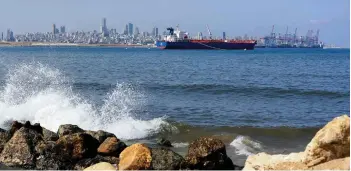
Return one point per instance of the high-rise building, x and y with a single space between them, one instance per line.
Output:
9 36
53 29
130 29
2 35
224 36
136 31
103 27
63 29
125 32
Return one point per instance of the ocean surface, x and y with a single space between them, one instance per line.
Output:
265 100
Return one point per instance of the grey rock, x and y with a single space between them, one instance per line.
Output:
164 142
68 129
166 159
49 135
19 151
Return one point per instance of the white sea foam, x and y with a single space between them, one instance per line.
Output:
180 144
41 94
245 146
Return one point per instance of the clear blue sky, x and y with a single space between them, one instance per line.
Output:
252 17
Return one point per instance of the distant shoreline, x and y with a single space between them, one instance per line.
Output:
30 44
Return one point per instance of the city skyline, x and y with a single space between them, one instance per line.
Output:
253 18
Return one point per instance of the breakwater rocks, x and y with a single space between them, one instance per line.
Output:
28 146
328 150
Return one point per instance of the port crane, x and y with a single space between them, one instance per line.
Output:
209 31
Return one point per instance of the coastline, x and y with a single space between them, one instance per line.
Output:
34 44
27 146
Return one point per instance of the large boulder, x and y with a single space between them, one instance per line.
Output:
208 153
100 135
49 135
84 163
4 137
264 161
337 164
50 157
19 151
102 166
331 142
135 157
68 129
111 147
166 159
77 146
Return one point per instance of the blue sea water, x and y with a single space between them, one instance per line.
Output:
253 100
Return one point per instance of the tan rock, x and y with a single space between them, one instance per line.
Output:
337 164
264 161
135 157
111 147
101 166
331 142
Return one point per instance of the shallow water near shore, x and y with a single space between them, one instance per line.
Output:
266 100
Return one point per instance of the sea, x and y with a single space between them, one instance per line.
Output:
262 100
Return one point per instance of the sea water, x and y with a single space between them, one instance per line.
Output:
265 100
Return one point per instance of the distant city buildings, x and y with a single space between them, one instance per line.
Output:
155 32
62 29
133 35
53 29
130 29
9 36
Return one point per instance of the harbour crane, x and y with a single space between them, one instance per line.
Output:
209 31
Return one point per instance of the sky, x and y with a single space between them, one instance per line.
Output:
235 17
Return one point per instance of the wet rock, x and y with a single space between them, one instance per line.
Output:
135 157
100 135
111 147
4 137
166 159
208 153
77 146
84 163
14 127
19 151
331 142
50 158
164 142
68 129
17 125
49 135
102 166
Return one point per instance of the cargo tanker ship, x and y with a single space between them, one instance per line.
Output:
179 40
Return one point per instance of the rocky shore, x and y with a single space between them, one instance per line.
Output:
31 146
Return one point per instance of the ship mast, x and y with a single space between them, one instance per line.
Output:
209 31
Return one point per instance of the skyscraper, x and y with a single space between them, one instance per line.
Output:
224 36
62 29
53 29
136 31
103 27
125 32
9 36
130 29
